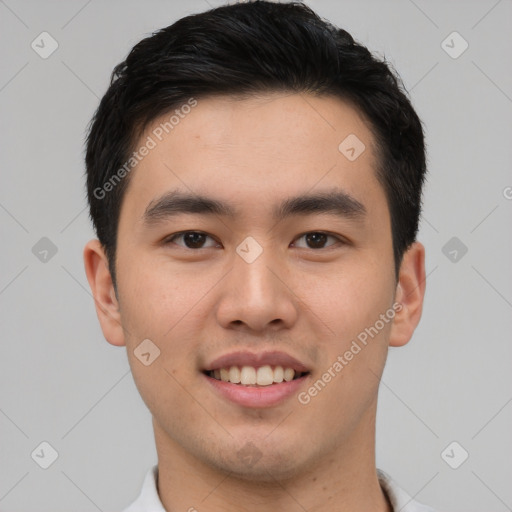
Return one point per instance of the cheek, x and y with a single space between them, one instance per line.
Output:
157 305
351 304
153 297
168 306
350 301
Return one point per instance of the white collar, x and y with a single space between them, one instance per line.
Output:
149 501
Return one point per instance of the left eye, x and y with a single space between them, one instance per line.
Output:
317 239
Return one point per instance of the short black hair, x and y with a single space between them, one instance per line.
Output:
246 49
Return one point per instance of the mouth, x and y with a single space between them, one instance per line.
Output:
255 376
257 380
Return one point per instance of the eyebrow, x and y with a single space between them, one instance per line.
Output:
174 203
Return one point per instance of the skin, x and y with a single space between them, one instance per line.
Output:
198 304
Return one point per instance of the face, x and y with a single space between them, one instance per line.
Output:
286 261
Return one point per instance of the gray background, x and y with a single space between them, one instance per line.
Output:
62 383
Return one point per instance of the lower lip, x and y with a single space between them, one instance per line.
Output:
262 396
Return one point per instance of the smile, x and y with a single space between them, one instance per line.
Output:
255 376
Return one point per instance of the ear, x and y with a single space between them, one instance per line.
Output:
410 292
102 287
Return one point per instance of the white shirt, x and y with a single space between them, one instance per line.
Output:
149 501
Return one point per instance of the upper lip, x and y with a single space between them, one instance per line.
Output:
243 358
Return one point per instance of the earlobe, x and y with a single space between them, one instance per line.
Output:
410 292
102 288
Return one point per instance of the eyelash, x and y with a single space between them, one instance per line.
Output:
171 239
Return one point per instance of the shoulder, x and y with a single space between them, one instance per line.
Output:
400 500
148 499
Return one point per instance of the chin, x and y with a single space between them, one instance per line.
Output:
270 464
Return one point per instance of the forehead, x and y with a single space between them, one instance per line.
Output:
251 149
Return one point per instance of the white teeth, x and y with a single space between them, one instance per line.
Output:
250 376
288 374
234 375
264 376
278 374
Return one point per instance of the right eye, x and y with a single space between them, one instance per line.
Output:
191 239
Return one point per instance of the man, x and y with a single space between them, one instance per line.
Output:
254 179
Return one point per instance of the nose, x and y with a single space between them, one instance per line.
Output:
257 296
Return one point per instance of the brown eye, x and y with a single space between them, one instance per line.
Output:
191 239
317 240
